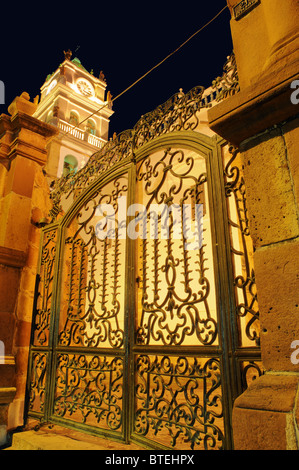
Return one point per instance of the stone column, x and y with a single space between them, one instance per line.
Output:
22 156
282 27
263 122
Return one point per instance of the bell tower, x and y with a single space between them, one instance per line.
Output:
71 99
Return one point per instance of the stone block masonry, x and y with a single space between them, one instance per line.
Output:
24 200
262 121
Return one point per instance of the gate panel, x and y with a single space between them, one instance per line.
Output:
245 325
89 390
179 401
42 314
92 301
176 299
40 357
89 351
178 391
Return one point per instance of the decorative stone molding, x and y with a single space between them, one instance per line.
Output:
11 257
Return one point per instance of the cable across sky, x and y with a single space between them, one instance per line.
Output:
150 70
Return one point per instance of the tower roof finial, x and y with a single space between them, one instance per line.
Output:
67 55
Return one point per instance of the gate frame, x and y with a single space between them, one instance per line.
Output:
211 149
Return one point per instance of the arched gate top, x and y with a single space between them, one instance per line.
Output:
178 114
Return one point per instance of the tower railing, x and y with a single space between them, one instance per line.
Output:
80 134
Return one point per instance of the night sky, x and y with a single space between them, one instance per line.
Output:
124 39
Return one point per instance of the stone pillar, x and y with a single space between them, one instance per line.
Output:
265 37
22 156
263 122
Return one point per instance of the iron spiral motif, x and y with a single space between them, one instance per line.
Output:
38 382
244 281
228 84
251 370
179 399
42 312
89 389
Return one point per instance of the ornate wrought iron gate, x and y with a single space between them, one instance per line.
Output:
145 325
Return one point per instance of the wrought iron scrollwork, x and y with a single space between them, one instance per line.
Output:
89 389
179 398
91 311
172 315
150 361
180 112
228 84
42 313
241 248
38 381
250 370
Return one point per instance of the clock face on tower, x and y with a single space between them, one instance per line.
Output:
85 87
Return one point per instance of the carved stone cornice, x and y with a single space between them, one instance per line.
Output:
256 108
24 135
7 395
24 121
11 257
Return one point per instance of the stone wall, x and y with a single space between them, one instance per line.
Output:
263 122
24 201
39 209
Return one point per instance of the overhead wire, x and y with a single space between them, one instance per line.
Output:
149 71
